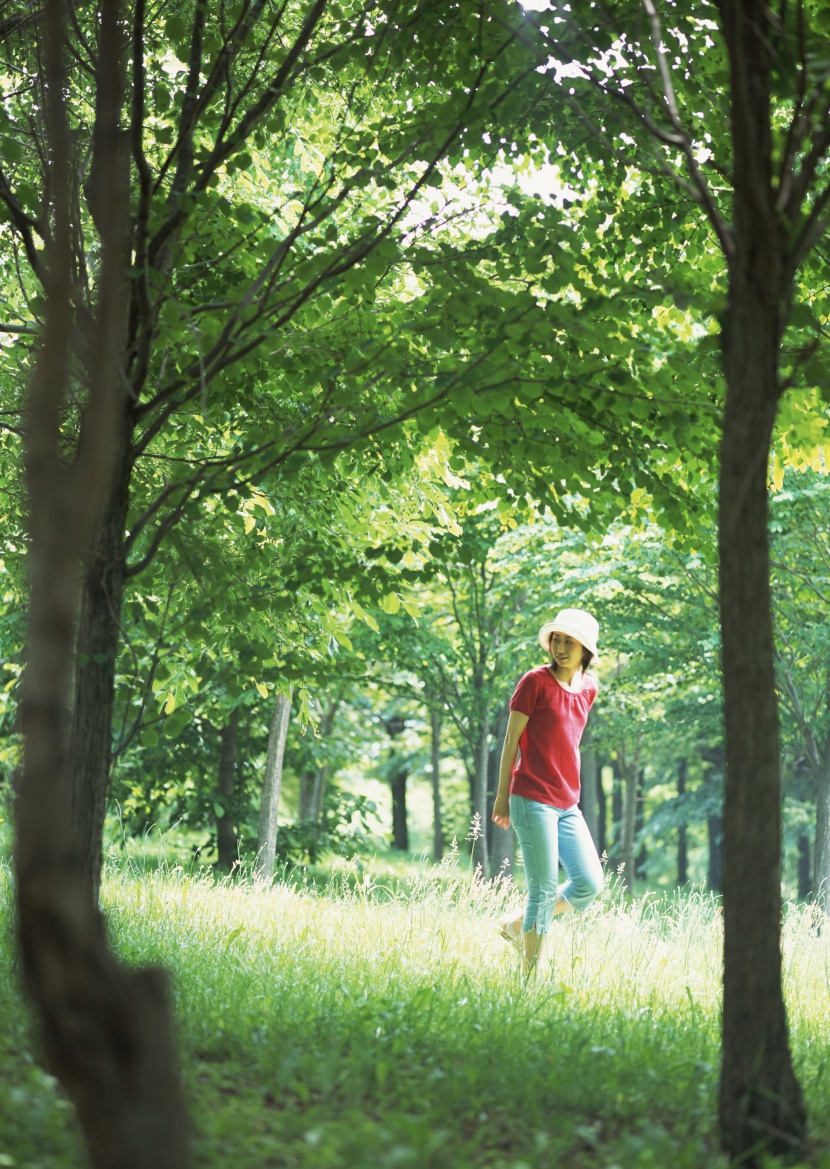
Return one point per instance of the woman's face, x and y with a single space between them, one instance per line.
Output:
566 651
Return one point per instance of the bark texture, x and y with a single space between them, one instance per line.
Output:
271 788
90 750
761 1106
106 1030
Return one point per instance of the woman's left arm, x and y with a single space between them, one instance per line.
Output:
516 724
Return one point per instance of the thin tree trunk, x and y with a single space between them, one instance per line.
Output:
588 801
308 780
630 773
714 870
617 786
682 844
398 776
437 830
226 782
478 830
602 814
805 868
641 860
821 851
321 778
271 788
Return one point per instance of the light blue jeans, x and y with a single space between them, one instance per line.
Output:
548 836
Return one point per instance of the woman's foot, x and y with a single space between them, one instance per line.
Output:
510 928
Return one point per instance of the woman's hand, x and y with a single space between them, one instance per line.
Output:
501 811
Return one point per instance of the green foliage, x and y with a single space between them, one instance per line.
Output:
347 826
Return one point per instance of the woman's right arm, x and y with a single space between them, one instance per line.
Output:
501 808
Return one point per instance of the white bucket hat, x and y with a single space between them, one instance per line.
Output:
576 623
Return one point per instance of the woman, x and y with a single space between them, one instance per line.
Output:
548 712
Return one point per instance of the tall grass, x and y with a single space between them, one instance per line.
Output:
377 1022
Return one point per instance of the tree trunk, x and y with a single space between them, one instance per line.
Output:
271 788
617 785
588 801
308 782
398 776
96 649
682 844
630 773
321 775
437 830
226 782
805 868
478 828
106 1031
714 871
760 1098
641 859
821 857
602 814
501 852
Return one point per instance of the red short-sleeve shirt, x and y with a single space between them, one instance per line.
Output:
547 769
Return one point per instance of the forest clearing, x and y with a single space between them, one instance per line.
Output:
382 1022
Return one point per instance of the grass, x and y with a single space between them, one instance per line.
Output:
383 1023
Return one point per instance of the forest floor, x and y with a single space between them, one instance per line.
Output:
376 1023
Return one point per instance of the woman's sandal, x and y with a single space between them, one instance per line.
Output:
514 937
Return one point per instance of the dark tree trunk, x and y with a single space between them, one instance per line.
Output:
639 824
805 869
90 746
437 830
105 1029
226 783
760 1098
714 870
308 780
398 776
682 845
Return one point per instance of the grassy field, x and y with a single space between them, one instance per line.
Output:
382 1022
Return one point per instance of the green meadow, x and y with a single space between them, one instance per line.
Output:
378 1020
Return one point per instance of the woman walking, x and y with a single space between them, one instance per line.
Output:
540 792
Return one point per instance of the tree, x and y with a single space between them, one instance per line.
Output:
271 787
106 1029
733 115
